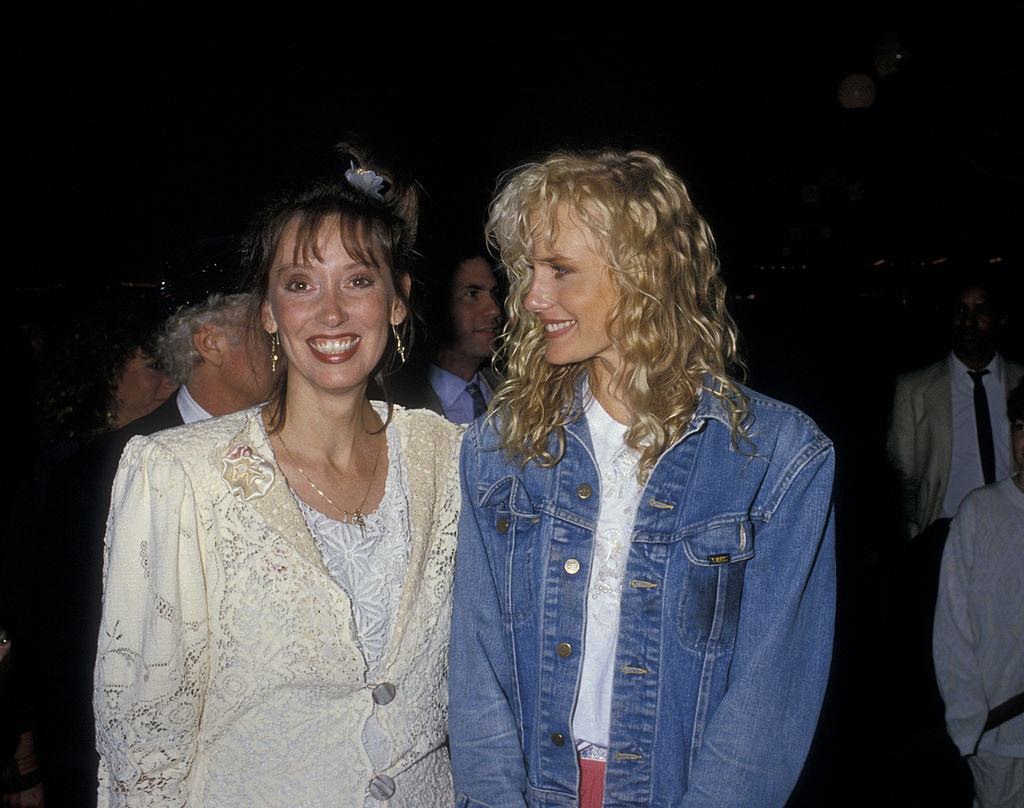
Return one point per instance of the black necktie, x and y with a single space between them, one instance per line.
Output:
480 406
984 424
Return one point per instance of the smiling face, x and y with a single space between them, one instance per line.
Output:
572 295
333 313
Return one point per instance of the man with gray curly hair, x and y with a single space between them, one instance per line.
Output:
221 359
213 351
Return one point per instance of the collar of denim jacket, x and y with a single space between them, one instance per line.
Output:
709 405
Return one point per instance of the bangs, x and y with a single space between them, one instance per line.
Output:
366 240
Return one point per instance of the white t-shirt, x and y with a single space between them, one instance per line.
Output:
620 493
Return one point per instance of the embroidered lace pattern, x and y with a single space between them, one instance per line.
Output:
369 563
229 671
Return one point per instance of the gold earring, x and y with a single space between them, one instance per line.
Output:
398 343
275 344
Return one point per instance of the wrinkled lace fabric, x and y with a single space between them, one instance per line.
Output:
229 669
369 563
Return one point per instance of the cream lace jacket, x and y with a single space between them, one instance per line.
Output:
228 672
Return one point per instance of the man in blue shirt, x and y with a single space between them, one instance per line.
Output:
458 381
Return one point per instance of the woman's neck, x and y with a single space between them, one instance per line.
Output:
329 427
606 386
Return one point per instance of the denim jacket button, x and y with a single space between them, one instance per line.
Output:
563 649
502 525
572 566
382 787
583 490
558 739
383 693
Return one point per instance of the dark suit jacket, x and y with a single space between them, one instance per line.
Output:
68 571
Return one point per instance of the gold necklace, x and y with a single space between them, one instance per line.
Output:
356 517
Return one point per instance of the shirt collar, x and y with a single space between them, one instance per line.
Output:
449 387
189 408
959 369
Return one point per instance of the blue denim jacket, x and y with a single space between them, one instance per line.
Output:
725 629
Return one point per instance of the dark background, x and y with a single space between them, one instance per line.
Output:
836 226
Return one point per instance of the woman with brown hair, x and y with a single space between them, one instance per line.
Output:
276 591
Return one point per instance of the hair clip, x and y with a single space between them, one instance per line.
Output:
369 182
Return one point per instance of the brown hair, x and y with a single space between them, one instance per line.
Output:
377 227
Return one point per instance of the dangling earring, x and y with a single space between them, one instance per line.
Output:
275 343
398 344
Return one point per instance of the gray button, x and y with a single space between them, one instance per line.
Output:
382 787
384 693
572 566
583 491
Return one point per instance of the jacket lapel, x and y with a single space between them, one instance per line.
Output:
277 505
938 405
421 536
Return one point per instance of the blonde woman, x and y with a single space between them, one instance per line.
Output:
645 587
277 583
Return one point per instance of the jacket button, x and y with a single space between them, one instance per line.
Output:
563 649
558 739
502 525
572 566
583 490
383 693
382 787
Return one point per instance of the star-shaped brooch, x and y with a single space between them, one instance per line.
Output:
247 474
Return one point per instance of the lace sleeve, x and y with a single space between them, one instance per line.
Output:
152 663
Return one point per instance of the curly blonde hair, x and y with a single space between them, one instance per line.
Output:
669 326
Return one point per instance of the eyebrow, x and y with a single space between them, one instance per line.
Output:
550 259
346 268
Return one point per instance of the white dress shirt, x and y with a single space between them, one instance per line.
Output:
978 639
965 472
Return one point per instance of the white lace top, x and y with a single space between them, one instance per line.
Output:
369 563
231 668
620 493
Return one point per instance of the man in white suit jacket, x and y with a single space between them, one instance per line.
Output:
933 437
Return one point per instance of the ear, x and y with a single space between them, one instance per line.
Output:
398 309
267 318
209 344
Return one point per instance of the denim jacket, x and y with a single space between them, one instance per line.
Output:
725 628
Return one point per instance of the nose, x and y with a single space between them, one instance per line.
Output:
491 307
537 298
332 308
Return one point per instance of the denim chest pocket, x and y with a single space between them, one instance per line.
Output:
506 508
716 556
